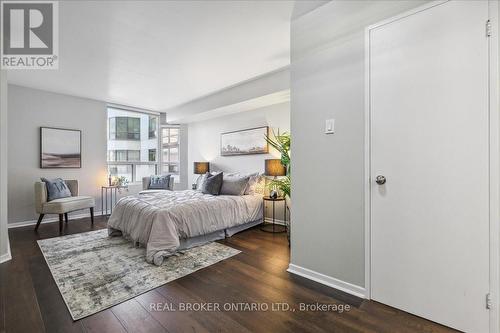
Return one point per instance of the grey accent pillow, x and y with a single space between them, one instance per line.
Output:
234 185
212 184
159 182
56 188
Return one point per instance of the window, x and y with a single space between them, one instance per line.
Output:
170 150
124 155
153 127
131 147
152 155
124 128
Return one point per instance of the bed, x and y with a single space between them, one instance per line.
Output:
168 221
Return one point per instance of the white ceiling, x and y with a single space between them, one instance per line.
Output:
159 54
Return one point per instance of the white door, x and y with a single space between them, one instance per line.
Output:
429 138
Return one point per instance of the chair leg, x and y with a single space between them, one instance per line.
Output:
60 222
92 215
39 221
66 217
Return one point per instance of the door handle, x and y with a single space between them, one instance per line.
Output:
380 180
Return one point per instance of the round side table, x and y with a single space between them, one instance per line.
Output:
273 227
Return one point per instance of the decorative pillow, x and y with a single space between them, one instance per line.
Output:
159 182
256 185
56 188
212 184
234 185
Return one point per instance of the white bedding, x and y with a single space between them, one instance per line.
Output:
158 220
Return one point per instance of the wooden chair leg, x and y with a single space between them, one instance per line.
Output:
60 222
39 221
66 217
92 215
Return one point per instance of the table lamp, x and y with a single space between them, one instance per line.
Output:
200 168
274 168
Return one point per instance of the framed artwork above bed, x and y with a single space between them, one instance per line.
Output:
244 142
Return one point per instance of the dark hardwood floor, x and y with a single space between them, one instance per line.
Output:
31 302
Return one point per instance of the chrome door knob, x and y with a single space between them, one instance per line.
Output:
380 180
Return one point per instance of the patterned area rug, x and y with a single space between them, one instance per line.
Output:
94 272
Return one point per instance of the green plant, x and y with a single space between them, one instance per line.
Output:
281 142
120 181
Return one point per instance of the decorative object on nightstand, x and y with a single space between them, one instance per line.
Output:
274 168
200 168
273 227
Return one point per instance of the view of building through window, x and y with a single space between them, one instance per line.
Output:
170 150
132 144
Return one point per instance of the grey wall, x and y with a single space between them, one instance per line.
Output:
204 140
4 242
327 81
28 110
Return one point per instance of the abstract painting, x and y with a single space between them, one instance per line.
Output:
60 148
245 142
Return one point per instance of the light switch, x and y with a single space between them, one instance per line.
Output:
330 126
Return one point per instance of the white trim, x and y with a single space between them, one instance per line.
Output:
50 220
329 281
7 256
494 157
494 167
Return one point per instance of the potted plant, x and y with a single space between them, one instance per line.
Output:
281 142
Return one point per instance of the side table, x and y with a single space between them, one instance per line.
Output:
273 227
104 198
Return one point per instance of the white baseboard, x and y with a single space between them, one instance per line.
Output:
7 256
55 218
328 280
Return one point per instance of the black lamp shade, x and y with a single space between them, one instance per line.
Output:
275 168
201 168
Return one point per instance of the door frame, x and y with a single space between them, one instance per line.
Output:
494 156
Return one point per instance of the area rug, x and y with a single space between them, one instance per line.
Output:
94 272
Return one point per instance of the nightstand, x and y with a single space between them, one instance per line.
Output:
273 227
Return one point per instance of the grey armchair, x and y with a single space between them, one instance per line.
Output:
147 180
61 206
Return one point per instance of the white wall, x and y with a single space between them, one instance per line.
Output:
28 110
4 237
257 87
327 81
204 140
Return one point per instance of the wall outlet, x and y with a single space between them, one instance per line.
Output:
330 126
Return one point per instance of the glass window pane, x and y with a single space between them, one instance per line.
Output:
121 124
174 155
170 168
165 155
152 155
174 131
121 170
121 155
144 171
152 126
134 155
